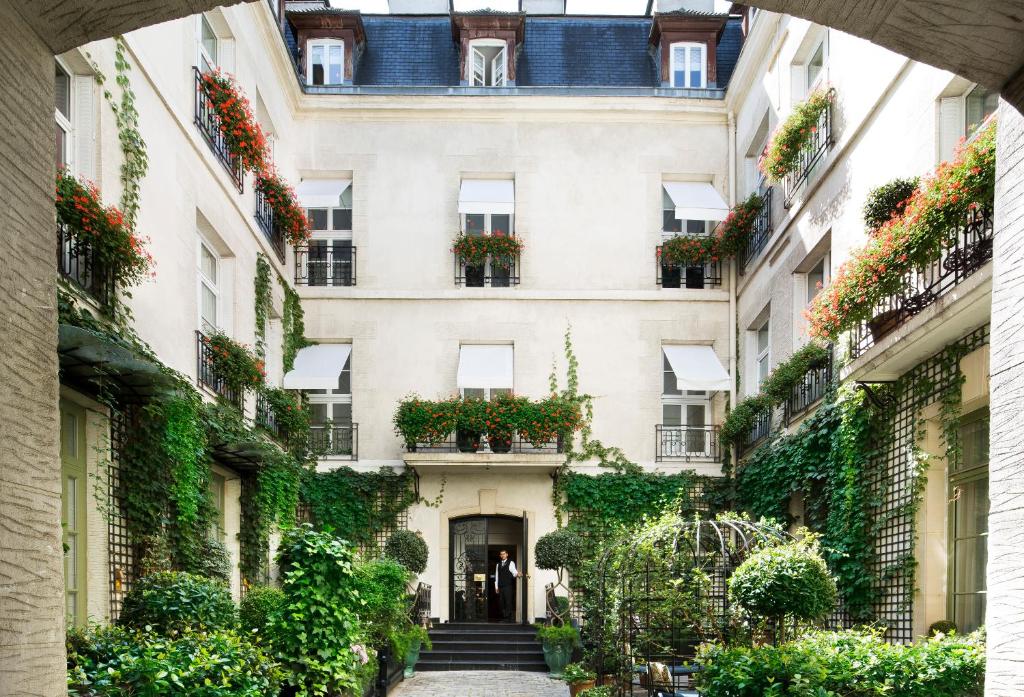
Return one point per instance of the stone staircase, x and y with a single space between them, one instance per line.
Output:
459 646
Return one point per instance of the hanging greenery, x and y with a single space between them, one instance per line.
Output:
782 155
261 303
292 326
235 363
244 136
289 215
728 239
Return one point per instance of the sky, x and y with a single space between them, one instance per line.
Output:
596 7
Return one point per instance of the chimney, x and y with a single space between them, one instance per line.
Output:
418 7
691 5
542 7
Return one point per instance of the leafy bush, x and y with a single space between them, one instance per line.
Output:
561 549
316 633
851 664
577 672
565 635
409 549
384 604
887 201
403 640
173 601
788 580
602 691
214 561
942 627
257 607
119 661
783 153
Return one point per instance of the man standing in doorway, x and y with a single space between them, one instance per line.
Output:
505 574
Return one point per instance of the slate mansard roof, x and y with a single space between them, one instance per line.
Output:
558 51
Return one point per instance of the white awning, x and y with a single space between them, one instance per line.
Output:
696 201
487 196
321 193
697 368
317 367
485 366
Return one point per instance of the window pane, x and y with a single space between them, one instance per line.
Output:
208 263
474 223
762 338
501 222
61 144
679 66
209 40
473 392
981 102
669 221
337 64
341 414
346 197
317 414
696 66
209 309
696 415
695 227
815 64
68 435
671 414
974 443
497 391
345 379
969 612
815 280
63 92
317 218
762 369
341 219
669 385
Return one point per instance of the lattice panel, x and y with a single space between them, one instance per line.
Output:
119 543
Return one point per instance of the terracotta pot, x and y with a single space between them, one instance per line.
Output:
578 687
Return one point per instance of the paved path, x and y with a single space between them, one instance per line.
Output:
480 683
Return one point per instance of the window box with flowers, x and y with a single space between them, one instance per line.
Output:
800 142
491 258
228 368
239 132
289 217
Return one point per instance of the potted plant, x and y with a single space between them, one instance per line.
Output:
469 424
883 323
558 643
579 678
408 644
502 416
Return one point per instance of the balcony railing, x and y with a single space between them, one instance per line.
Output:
79 264
206 374
208 122
686 442
420 613
496 273
761 429
761 231
265 418
813 152
971 249
517 446
335 441
809 391
265 219
325 265
707 275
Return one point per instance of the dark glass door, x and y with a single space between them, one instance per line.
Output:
469 576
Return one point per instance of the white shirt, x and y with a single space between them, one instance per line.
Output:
511 567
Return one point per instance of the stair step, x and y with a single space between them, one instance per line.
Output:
464 645
531 666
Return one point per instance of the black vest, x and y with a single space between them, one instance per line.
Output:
505 575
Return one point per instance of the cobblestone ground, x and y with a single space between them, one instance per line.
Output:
480 683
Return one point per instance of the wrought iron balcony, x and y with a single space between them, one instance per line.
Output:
970 250
761 231
340 441
812 153
761 429
686 443
266 420
517 445
325 265
208 122
206 373
809 391
265 219
79 264
496 273
707 275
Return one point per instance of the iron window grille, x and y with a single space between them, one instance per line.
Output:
761 231
810 390
336 441
686 443
707 275
208 122
493 273
78 263
325 265
810 154
206 373
517 446
265 219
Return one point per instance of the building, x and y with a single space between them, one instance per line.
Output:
402 130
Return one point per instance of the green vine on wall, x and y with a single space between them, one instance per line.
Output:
261 303
292 324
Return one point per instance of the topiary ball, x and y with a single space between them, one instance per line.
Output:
256 607
789 580
888 200
172 601
561 549
942 627
409 549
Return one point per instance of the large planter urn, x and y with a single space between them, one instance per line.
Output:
500 443
467 441
557 656
411 656
883 323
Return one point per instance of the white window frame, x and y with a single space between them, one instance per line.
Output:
64 121
687 68
488 228
327 44
826 277
203 281
488 392
329 398
966 132
202 56
501 58
672 447
811 85
329 236
763 355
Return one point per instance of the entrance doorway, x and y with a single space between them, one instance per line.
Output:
475 544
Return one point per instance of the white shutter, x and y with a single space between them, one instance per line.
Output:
84 127
498 69
479 69
951 125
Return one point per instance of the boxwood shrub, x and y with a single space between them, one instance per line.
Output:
409 549
788 580
173 601
560 549
257 606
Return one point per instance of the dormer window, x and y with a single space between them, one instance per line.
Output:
487 63
689 65
325 62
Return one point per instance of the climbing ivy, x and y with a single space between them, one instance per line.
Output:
261 303
293 327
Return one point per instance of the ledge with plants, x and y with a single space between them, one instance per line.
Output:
727 240
775 390
538 422
237 365
929 223
782 156
502 248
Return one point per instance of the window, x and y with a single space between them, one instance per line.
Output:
330 416
325 62
208 45
763 344
62 113
816 279
672 226
969 503
980 103
331 261
684 418
815 67
209 294
688 65
961 115
487 63
74 492
217 485
476 275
